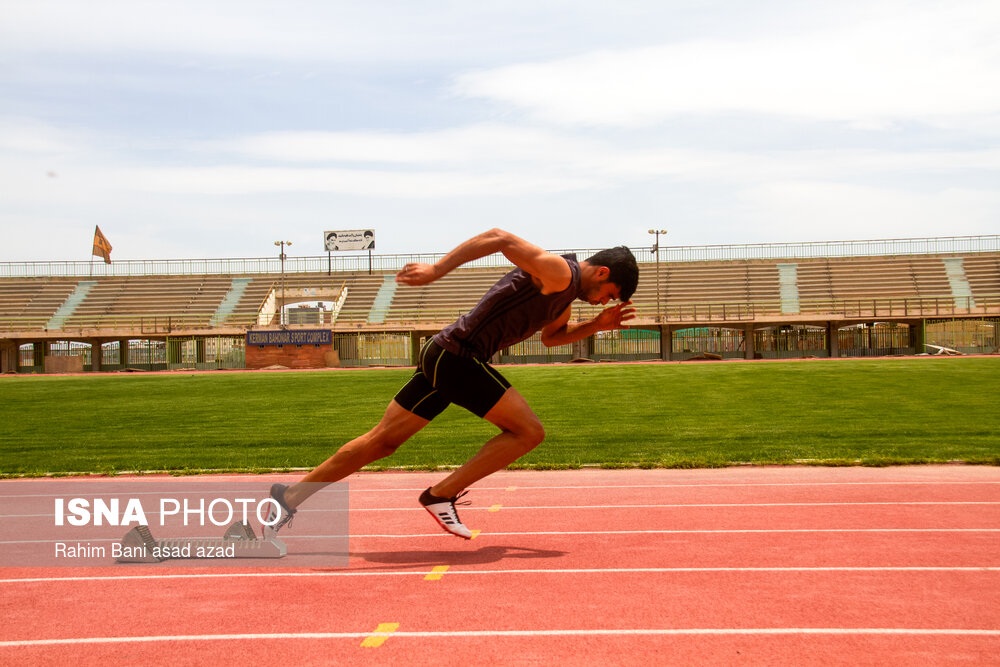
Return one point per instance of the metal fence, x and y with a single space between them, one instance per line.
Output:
533 351
352 262
204 353
968 336
971 336
372 349
908 306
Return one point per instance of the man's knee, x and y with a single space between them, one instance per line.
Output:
532 434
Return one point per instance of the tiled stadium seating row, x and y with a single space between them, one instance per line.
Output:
29 303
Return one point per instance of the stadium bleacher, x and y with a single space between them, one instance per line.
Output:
983 273
29 303
443 300
738 293
124 302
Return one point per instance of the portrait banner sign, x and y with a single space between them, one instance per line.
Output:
349 239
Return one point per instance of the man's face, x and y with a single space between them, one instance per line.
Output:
600 292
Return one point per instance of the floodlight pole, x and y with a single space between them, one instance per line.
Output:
281 311
656 251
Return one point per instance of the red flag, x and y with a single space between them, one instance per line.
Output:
101 246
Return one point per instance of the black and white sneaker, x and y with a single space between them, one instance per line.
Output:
443 511
277 516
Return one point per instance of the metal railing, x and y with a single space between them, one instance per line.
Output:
362 263
138 323
884 307
945 245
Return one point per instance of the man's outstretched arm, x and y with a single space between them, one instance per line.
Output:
561 332
551 270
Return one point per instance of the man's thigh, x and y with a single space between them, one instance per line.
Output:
469 383
418 396
512 413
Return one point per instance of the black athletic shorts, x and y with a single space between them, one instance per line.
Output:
443 378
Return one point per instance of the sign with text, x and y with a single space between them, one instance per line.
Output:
290 337
349 239
148 521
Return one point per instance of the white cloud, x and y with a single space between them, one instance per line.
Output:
242 180
471 143
387 31
724 121
193 28
526 152
31 136
850 211
920 62
482 160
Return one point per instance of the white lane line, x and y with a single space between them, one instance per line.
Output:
737 530
120 491
864 503
904 503
951 632
523 487
542 571
702 531
693 485
693 531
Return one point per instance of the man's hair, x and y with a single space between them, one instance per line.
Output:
624 271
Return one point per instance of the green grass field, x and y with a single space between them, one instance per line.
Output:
871 412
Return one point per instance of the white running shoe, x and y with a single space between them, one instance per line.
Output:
443 511
277 516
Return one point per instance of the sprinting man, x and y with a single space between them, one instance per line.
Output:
536 296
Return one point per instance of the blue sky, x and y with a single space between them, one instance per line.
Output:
211 129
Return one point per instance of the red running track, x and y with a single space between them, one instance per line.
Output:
852 566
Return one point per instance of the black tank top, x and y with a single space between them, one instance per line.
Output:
511 311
